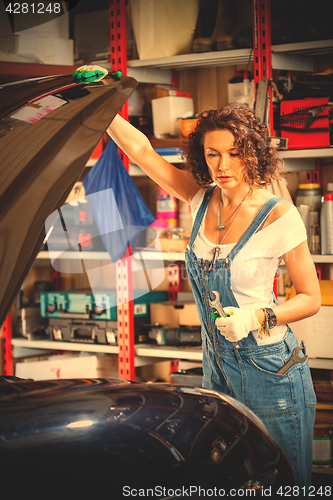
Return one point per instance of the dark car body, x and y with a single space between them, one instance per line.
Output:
123 438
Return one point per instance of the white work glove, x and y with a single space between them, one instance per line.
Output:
238 324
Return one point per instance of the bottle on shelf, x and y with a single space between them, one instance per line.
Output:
314 237
309 194
167 207
326 225
322 445
308 202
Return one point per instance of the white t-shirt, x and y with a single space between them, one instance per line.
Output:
254 267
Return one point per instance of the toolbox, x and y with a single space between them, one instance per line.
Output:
307 123
93 332
81 304
31 325
73 316
83 331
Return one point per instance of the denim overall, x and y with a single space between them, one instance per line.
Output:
285 403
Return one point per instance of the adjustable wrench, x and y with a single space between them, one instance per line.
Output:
218 306
294 358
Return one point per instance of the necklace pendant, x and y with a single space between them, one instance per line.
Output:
221 226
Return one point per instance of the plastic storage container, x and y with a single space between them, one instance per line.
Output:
310 195
326 225
187 126
296 118
166 113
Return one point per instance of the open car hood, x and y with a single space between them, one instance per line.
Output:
49 128
101 435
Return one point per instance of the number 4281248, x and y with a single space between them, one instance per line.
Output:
34 8
312 491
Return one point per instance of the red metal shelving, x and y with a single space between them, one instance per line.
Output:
125 315
7 357
262 49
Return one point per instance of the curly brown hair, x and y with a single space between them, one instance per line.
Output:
251 139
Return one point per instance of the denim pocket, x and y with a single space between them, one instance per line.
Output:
268 365
268 394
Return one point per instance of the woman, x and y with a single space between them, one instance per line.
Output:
240 234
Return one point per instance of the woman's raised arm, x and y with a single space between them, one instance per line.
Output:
138 148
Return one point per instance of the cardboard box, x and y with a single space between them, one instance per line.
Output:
317 333
164 28
326 291
165 314
67 366
174 314
48 50
188 315
172 245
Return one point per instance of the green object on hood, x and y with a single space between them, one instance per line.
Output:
86 74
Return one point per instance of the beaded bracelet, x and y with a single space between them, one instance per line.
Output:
264 325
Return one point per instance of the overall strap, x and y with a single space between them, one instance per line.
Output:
255 224
200 214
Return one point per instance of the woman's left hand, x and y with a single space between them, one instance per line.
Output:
238 324
91 73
